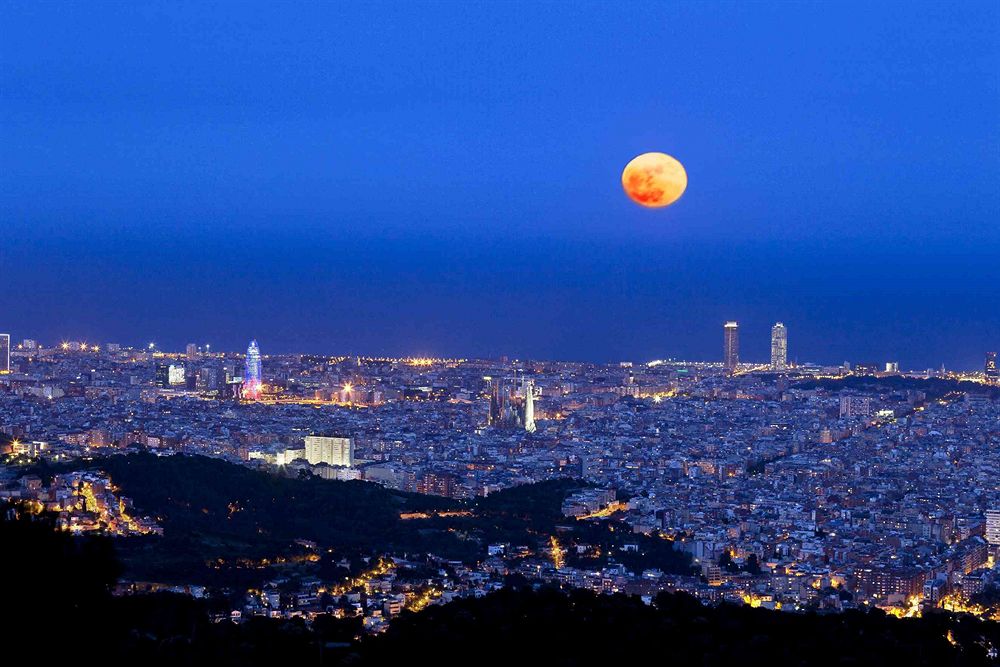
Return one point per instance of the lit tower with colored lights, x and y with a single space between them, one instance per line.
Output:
251 379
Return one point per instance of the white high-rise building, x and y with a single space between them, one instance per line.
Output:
330 450
993 526
175 374
731 345
779 347
4 353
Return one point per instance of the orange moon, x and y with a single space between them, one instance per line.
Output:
654 180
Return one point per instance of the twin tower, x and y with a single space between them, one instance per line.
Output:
731 346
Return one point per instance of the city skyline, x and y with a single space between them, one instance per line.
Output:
464 331
669 454
138 200
777 351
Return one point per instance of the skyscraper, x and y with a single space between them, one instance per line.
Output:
192 351
252 376
163 376
991 368
169 376
731 346
779 347
4 353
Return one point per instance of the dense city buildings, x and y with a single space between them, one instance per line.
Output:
464 265
731 346
815 488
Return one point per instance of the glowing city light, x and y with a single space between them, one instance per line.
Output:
252 378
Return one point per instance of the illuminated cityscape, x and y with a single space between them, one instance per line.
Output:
252 377
387 334
790 489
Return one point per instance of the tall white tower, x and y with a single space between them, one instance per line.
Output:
779 347
4 353
529 406
731 346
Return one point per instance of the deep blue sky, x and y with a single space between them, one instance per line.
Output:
443 178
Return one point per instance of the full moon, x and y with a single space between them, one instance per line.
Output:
654 180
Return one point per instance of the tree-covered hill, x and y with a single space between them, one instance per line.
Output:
933 387
227 525
224 515
210 496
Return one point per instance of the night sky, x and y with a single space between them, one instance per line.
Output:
444 178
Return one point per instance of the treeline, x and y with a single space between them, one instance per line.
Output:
580 628
933 387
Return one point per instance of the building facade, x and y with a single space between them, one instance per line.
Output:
331 450
252 376
4 353
779 347
993 526
731 345
855 406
